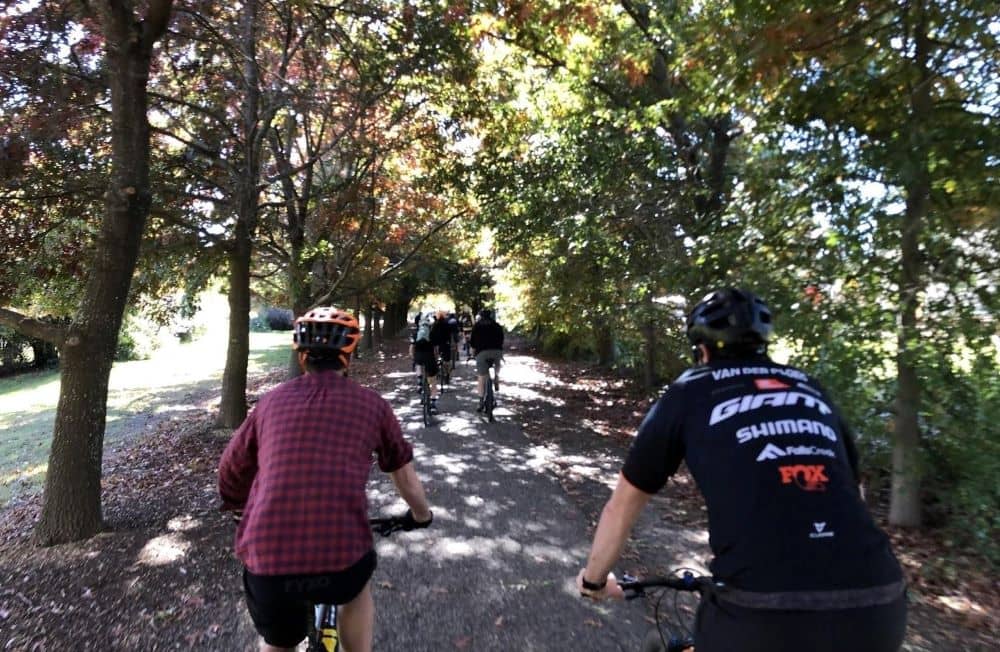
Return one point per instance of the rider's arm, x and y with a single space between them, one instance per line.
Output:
412 491
655 454
238 465
617 519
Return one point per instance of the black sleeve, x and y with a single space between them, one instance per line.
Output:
658 448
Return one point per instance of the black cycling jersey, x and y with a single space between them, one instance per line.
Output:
486 335
441 334
778 469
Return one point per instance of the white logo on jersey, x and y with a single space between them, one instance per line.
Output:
785 427
735 406
772 452
821 532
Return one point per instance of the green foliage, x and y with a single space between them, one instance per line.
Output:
136 339
963 449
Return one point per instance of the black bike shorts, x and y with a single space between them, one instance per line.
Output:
722 627
281 606
427 360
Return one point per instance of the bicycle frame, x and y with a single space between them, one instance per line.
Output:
425 396
655 640
489 399
324 636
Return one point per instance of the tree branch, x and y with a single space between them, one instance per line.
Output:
31 327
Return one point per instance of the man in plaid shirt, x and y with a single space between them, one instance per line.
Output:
298 468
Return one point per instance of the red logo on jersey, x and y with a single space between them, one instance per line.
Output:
770 383
808 477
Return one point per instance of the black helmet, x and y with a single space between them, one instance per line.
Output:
730 318
486 314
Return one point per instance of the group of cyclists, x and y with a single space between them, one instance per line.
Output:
434 343
798 561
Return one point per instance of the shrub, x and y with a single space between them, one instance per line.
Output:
280 319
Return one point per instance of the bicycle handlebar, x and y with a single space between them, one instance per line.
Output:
635 587
384 526
388 524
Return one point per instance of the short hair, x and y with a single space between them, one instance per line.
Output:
323 361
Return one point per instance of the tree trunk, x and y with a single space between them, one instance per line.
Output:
233 407
379 335
368 339
649 368
71 504
234 379
605 345
904 506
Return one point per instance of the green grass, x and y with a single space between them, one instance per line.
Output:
167 382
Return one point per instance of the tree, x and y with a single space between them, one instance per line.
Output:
901 93
71 507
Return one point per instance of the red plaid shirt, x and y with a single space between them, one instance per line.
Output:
298 467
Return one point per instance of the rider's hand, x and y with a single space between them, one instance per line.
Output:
610 590
413 524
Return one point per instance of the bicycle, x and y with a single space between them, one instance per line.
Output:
655 640
444 373
489 398
323 635
467 346
425 397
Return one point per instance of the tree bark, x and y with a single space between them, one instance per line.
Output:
649 366
71 505
379 319
904 506
233 408
368 339
605 345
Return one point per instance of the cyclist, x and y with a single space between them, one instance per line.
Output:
455 329
487 346
441 337
802 562
424 358
465 322
297 467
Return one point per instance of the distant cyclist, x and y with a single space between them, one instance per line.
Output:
298 468
424 358
455 328
487 345
441 337
803 564
465 323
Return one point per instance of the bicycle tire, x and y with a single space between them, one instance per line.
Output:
652 642
489 401
445 373
425 399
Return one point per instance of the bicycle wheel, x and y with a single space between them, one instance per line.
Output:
445 373
652 642
425 399
489 401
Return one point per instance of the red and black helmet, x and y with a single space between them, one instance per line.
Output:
327 330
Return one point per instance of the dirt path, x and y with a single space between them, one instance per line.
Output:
514 513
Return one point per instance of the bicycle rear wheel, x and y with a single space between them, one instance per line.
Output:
489 401
425 399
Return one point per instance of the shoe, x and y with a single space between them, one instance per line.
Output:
481 407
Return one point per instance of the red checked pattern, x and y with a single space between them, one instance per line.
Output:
298 467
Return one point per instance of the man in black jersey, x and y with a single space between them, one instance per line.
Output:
801 563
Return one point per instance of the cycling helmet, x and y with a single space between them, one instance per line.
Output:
327 330
730 318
